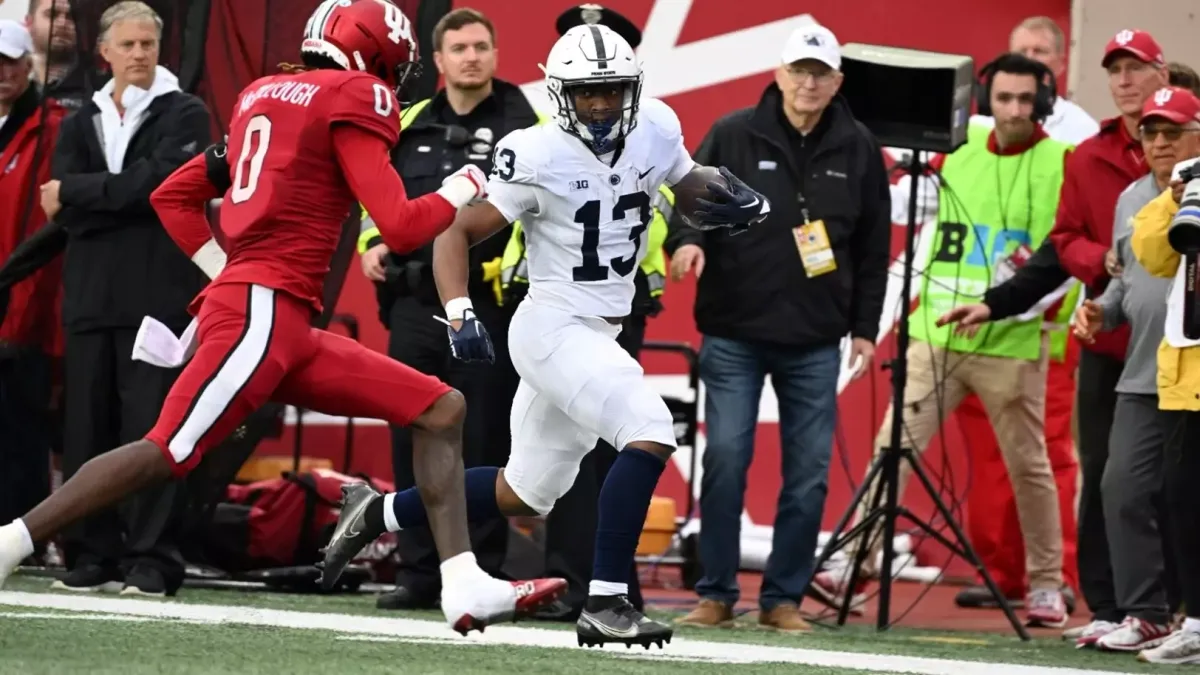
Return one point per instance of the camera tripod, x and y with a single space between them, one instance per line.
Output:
884 472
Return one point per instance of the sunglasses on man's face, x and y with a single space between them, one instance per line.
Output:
1170 132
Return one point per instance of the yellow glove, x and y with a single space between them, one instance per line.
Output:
491 272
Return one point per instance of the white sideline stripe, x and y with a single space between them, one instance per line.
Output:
681 648
674 386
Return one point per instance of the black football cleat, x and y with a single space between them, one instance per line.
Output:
622 623
351 534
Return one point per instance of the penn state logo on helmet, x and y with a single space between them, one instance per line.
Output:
595 82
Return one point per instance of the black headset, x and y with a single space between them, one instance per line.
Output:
1047 85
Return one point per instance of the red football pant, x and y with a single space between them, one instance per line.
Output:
992 523
257 345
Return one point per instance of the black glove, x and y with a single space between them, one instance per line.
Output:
737 206
471 341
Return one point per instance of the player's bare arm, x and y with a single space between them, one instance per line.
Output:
473 224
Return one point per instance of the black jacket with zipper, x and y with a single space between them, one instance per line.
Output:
120 263
754 286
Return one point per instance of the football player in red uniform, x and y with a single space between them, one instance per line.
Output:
306 145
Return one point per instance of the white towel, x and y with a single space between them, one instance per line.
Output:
157 345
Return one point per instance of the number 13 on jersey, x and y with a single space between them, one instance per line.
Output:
588 216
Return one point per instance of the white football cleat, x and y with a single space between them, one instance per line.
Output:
11 546
484 600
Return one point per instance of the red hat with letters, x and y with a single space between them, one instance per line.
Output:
1137 43
1173 104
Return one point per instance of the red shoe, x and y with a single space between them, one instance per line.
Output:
494 601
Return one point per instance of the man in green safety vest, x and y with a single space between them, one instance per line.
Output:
459 125
999 202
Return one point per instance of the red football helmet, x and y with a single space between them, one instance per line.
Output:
373 36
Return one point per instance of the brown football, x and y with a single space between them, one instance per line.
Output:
695 186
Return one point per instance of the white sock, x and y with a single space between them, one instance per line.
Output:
389 512
26 539
1191 625
460 566
607 588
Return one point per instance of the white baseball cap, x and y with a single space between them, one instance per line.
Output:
15 41
813 41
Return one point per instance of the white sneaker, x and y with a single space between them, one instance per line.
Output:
1183 647
1134 635
11 547
1087 634
477 602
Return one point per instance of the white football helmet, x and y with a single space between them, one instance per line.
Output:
590 55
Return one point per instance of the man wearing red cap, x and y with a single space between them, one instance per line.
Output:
1097 173
1133 478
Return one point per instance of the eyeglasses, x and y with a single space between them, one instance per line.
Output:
1170 133
802 74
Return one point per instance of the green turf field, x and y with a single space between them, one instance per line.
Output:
229 631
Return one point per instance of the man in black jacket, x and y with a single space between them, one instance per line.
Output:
778 300
441 134
121 266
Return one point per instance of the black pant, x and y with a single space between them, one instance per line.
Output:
112 400
1181 466
1134 513
571 524
419 341
25 431
1096 399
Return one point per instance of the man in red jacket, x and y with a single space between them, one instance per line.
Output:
1097 173
29 336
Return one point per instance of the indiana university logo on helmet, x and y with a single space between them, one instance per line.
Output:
371 36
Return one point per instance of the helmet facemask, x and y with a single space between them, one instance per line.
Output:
599 126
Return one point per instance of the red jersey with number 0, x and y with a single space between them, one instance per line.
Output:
283 216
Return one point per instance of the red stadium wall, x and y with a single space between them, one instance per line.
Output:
716 80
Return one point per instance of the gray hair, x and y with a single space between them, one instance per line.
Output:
129 10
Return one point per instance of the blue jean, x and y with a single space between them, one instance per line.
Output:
805 382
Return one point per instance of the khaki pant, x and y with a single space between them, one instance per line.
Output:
1013 391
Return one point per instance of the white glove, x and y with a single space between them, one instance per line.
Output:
464 186
927 199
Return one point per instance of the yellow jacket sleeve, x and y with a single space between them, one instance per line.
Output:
1149 240
368 234
654 265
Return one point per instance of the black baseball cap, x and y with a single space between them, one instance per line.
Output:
590 13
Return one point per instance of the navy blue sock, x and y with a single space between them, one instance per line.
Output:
624 501
481 500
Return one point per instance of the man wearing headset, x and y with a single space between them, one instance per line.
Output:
1007 182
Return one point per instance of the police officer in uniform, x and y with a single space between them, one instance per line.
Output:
571 525
457 126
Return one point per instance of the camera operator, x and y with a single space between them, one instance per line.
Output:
1166 241
120 267
457 126
1133 477
778 300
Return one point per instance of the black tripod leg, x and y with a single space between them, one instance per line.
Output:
969 552
866 528
838 540
891 474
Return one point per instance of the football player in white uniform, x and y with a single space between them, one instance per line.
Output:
581 189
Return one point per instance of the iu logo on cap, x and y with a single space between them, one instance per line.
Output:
1162 96
1124 37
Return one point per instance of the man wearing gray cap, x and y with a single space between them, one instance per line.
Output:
779 300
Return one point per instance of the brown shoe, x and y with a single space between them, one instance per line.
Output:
785 619
708 614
